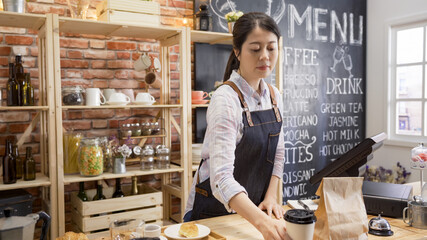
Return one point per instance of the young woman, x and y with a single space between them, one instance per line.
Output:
243 151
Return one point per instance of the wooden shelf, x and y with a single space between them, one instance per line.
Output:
148 136
22 20
194 167
41 180
211 37
199 105
123 107
79 26
130 172
24 108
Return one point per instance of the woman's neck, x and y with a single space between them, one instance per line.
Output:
253 82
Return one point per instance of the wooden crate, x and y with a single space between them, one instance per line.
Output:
122 17
146 206
129 12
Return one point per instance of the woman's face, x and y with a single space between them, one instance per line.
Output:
259 54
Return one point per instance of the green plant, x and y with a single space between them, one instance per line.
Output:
233 16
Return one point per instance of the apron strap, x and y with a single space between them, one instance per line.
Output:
242 100
274 103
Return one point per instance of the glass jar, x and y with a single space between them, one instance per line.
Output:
136 130
419 157
155 128
163 156
71 143
72 95
91 158
147 158
107 153
125 131
146 129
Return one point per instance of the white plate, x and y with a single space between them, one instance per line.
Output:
143 103
173 232
163 238
117 103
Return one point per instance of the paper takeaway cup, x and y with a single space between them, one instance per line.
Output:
300 224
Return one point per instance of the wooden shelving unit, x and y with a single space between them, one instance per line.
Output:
122 107
45 113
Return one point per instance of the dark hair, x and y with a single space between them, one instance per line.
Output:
243 26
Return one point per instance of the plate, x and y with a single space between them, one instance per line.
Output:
199 101
173 232
117 103
143 103
163 238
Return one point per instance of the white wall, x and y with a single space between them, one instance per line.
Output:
380 14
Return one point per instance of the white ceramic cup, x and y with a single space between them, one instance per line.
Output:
119 97
93 97
144 97
152 230
142 63
129 92
107 93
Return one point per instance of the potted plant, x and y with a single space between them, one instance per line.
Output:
120 153
231 18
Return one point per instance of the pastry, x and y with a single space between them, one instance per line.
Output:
73 236
189 230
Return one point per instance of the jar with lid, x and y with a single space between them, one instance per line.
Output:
107 153
147 158
163 156
155 127
72 95
125 131
419 157
146 129
91 158
136 130
71 143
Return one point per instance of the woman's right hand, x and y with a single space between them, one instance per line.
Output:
272 229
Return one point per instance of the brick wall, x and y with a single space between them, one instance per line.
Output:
89 61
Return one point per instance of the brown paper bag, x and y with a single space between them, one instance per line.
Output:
341 213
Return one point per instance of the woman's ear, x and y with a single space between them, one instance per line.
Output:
237 53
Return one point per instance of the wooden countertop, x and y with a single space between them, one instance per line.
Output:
235 227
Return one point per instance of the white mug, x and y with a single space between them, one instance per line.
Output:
152 230
93 97
129 93
142 63
119 97
107 93
144 97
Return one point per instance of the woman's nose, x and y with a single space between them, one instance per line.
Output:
264 54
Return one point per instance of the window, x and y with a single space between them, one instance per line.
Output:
407 118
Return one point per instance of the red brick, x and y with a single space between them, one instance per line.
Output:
190 5
22 50
100 83
74 64
34 73
12 30
19 40
75 115
173 66
146 47
162 2
63 53
103 74
1 38
174 58
137 75
18 127
121 45
74 43
113 123
124 84
123 55
29 62
77 125
123 113
99 123
178 4
14 116
99 54
43 8
120 64
4 73
104 113
168 11
121 74
5 51
75 54
4 61
34 51
176 49
3 127
97 44
71 73
99 64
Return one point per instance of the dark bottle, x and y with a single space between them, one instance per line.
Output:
118 193
29 166
134 190
27 92
19 163
12 89
82 194
98 195
9 165
19 70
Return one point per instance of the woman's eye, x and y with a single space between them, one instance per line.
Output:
271 49
255 50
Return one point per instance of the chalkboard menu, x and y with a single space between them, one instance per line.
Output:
324 80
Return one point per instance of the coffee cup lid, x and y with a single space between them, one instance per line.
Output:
300 216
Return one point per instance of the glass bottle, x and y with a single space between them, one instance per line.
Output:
27 92
19 70
99 195
9 165
19 163
107 154
82 194
29 166
134 189
12 88
118 193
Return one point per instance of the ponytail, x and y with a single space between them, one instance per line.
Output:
233 63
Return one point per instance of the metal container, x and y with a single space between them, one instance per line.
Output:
415 214
119 165
14 5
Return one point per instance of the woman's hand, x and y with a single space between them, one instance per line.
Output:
272 229
270 205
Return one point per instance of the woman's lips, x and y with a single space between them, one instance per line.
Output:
263 68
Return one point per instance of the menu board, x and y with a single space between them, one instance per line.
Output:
324 80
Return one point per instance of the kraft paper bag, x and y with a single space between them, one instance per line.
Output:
341 213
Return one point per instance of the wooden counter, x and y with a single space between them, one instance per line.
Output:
235 227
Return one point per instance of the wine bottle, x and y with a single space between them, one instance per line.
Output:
82 194
19 163
29 166
134 190
9 165
98 195
118 193
25 92
30 90
12 88
20 77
